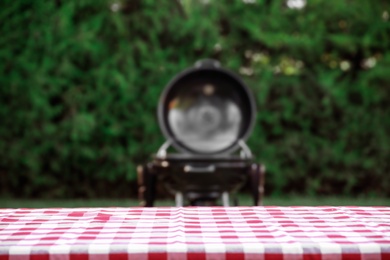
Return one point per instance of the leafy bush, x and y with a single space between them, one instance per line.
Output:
80 82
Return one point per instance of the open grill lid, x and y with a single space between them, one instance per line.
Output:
206 110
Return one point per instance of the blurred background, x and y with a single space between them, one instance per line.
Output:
80 82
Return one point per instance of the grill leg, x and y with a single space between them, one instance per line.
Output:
179 199
257 178
225 199
146 185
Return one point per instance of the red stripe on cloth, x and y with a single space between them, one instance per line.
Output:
268 256
39 257
19 257
78 257
118 256
157 256
355 256
196 256
235 256
312 257
4 257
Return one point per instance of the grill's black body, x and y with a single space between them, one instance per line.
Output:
205 113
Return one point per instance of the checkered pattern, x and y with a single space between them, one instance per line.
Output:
195 233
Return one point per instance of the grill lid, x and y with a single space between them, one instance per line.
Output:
206 110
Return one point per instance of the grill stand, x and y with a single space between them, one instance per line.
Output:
168 168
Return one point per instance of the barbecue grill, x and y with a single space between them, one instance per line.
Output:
205 113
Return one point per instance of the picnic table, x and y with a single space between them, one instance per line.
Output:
269 232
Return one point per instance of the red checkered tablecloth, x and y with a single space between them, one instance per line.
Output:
196 233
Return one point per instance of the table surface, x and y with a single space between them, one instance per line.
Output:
196 233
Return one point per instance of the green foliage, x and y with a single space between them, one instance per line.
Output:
80 82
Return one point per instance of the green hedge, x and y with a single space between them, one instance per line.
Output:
80 82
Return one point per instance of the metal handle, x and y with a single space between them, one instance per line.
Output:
245 151
208 169
207 63
162 152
